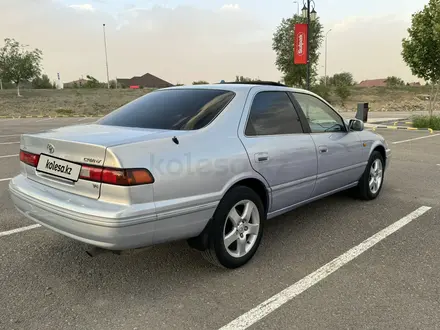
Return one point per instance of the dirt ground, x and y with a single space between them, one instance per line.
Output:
386 99
92 102
84 102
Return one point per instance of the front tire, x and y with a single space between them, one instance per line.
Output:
371 182
237 228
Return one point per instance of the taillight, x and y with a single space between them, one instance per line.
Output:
91 173
126 177
119 177
29 158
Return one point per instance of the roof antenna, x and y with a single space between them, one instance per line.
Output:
175 140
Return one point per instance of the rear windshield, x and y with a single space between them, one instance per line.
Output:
175 109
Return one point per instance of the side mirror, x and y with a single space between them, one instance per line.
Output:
356 125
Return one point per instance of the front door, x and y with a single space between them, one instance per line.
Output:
340 161
277 147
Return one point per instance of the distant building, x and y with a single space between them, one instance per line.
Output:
146 81
414 84
373 83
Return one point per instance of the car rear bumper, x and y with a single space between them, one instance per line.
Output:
109 226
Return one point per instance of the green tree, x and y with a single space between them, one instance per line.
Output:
92 82
321 80
245 79
421 49
321 90
343 92
394 81
42 82
200 82
341 79
283 45
18 64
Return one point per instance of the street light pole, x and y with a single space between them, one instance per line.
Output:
310 16
297 7
308 44
106 59
325 69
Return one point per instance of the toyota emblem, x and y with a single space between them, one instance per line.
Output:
50 148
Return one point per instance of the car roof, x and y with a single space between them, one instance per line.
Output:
241 87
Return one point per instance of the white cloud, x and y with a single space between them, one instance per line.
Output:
84 7
231 7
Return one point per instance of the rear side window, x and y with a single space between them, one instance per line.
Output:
272 113
178 109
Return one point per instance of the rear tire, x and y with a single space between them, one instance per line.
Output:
371 182
237 228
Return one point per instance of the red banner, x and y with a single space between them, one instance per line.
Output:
300 44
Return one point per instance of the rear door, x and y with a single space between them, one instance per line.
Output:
340 161
277 146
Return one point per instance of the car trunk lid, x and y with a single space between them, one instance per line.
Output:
65 154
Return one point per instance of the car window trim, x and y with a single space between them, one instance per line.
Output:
219 113
270 135
302 117
323 101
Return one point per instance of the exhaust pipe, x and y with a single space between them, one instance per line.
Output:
94 251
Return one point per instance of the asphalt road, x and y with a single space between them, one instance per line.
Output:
48 282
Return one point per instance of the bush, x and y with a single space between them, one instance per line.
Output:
343 92
64 111
92 82
427 122
42 82
322 91
200 82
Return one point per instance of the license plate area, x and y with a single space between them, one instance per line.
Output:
59 167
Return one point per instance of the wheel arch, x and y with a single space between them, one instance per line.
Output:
380 148
256 184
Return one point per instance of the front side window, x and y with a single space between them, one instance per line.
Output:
174 109
272 113
320 116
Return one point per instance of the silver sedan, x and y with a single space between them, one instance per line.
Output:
209 164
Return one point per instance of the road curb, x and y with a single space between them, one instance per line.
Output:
403 122
403 128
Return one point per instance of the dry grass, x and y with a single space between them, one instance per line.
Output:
93 102
89 102
386 99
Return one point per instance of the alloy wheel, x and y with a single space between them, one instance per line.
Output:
241 229
375 178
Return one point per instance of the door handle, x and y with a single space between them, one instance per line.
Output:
322 149
261 157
